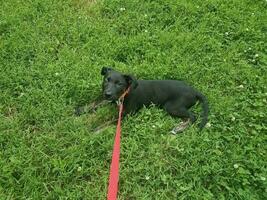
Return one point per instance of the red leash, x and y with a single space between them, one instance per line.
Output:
114 167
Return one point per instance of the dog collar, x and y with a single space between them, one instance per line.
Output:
121 99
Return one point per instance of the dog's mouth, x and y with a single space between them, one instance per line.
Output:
111 97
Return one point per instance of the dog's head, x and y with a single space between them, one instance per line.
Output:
115 83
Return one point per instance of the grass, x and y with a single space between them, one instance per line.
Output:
51 56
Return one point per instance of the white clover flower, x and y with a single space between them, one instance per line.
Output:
208 125
22 94
236 166
122 9
147 178
79 169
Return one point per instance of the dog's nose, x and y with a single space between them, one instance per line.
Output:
108 95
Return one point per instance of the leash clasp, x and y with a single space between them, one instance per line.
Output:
120 100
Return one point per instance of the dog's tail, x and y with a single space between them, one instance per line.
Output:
205 110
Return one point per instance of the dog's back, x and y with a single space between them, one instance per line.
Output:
159 91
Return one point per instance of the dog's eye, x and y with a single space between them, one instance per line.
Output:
108 79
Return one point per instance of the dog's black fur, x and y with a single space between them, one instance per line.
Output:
175 97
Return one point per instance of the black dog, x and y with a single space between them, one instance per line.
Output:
173 96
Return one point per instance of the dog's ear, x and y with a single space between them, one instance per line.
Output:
105 70
131 81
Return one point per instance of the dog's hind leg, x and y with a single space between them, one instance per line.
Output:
183 125
187 116
177 109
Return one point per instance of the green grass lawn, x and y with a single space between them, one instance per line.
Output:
51 53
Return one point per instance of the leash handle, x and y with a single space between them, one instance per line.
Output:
115 162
